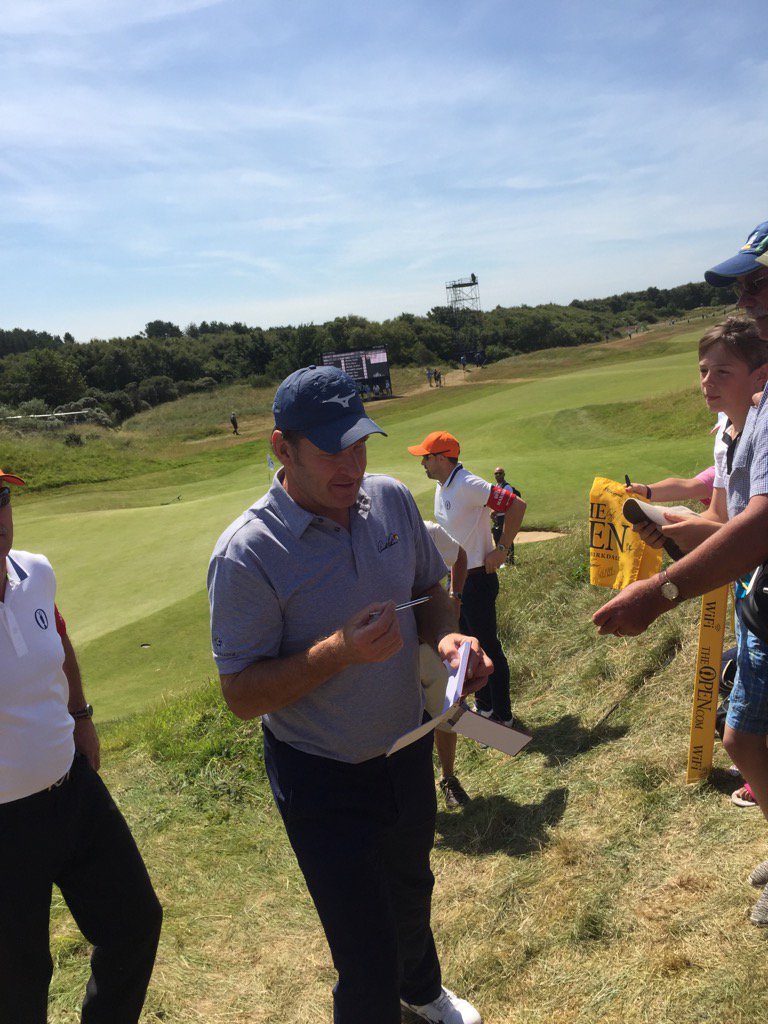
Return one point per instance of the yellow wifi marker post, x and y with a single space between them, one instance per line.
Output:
706 683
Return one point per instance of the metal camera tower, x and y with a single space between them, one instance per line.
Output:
464 302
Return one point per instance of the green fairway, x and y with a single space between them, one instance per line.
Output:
131 555
545 432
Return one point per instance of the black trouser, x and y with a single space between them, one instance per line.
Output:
362 834
478 618
74 836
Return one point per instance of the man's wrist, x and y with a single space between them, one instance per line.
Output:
85 711
668 589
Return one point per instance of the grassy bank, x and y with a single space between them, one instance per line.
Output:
584 882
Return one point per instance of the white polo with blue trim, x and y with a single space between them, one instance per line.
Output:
461 509
36 729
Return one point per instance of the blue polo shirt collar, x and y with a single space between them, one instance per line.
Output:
298 519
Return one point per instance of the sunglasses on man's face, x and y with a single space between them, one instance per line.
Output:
5 496
750 285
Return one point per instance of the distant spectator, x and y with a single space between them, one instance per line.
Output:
438 378
497 518
233 421
429 373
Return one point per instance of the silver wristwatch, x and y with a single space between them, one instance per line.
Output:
669 590
501 547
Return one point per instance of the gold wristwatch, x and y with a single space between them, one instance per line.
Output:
669 590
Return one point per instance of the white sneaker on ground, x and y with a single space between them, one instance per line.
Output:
446 1009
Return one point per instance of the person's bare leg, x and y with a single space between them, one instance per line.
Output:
749 753
445 742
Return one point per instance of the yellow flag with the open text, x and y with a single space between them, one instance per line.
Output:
706 684
617 555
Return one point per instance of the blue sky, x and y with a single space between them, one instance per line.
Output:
290 162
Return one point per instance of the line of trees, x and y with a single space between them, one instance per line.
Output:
124 375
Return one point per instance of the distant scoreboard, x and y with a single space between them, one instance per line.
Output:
368 368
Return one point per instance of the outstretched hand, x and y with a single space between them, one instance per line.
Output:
641 490
632 611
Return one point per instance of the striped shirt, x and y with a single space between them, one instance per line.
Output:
749 472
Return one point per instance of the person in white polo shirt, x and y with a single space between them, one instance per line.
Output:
58 823
462 501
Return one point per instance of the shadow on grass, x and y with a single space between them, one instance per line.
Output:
568 737
723 782
496 824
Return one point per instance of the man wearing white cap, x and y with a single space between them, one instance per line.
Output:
303 589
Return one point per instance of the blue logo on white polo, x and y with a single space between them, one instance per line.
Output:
41 618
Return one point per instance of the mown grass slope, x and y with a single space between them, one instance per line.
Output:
585 881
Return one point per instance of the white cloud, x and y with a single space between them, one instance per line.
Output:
74 17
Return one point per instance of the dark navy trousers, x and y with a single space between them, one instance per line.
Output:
74 836
478 618
362 835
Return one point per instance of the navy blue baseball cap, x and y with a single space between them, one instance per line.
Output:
751 256
322 403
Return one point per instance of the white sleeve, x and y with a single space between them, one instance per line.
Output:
721 457
445 544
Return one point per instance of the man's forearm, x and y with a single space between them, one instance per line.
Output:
435 618
737 547
512 521
274 683
459 572
76 696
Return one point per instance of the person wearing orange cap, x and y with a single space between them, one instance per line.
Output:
58 823
462 501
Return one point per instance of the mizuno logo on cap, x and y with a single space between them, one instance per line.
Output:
343 400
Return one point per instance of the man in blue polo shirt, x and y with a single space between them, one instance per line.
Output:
734 550
303 588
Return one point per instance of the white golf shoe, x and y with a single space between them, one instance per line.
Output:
446 1009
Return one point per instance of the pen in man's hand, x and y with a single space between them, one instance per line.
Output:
403 606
